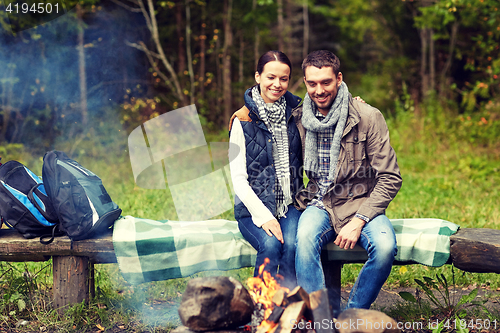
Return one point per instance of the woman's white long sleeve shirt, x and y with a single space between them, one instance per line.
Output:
238 166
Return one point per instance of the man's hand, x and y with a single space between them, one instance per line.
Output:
349 234
273 228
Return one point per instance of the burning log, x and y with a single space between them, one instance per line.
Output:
291 316
321 310
213 303
280 298
299 294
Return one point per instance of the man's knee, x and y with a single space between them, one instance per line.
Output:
385 251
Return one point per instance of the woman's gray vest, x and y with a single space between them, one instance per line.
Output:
259 159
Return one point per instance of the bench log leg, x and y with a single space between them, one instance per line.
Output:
71 281
91 280
333 272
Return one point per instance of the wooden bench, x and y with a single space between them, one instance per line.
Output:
472 250
72 262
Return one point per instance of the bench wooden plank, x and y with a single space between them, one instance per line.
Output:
476 250
13 247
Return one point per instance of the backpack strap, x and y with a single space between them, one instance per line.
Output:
55 233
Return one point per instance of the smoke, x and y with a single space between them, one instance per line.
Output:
41 74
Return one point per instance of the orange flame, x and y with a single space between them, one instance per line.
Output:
262 289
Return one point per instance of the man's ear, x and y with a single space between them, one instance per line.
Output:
339 79
305 82
257 77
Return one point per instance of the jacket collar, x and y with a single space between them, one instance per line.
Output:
353 117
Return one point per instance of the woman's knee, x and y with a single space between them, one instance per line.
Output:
271 247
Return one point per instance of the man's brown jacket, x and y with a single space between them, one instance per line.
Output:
367 176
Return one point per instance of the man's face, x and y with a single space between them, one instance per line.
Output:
322 86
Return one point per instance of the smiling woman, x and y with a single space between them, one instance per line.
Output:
265 170
273 80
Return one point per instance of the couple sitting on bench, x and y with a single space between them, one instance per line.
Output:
353 174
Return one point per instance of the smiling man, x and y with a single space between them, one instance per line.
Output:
353 176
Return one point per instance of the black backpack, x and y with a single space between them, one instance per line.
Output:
83 205
24 204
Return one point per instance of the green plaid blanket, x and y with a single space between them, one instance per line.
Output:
149 250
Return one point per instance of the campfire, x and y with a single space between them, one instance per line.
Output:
280 306
268 307
264 288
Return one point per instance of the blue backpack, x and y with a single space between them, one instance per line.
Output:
24 203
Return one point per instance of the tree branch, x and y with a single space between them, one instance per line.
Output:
142 47
127 7
163 58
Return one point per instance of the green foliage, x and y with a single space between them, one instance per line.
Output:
12 151
479 21
437 291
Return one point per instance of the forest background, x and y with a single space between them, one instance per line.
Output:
83 81
126 61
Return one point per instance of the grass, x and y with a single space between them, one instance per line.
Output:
445 176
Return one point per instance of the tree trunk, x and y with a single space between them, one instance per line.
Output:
241 56
257 38
226 61
6 104
219 70
281 43
81 66
432 61
288 31
203 43
181 50
305 14
188 51
423 62
451 48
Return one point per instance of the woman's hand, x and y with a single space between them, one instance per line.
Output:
273 228
359 99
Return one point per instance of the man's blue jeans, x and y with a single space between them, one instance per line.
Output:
281 256
377 237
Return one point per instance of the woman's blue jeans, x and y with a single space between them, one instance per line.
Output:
281 256
377 237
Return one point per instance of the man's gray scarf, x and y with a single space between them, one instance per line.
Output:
336 117
274 118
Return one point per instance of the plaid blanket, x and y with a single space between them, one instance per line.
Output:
149 250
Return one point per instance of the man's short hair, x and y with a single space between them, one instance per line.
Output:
321 58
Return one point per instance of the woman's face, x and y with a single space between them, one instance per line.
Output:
273 81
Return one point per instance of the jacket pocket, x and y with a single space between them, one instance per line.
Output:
356 147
